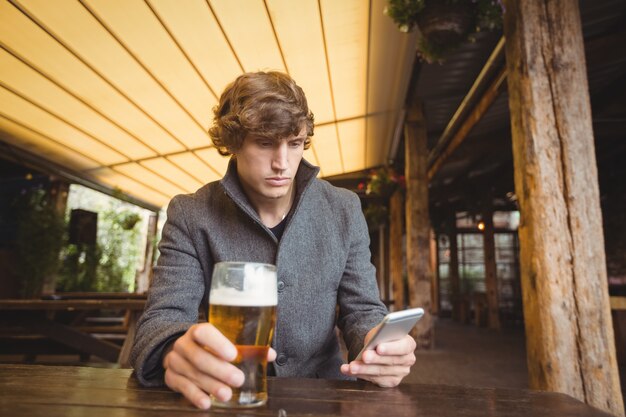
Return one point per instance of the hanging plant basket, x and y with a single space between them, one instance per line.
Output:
446 25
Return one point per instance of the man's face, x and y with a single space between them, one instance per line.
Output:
267 167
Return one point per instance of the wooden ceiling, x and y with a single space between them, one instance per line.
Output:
480 172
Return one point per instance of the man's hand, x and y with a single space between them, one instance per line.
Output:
386 365
198 365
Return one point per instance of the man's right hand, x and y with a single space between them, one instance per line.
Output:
198 364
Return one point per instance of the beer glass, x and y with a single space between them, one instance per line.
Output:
242 305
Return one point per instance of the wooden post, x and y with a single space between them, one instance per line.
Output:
382 263
387 282
434 267
144 277
453 273
396 265
491 272
418 223
569 333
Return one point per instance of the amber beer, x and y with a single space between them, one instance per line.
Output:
242 305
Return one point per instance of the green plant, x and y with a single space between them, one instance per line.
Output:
110 264
119 251
39 239
444 24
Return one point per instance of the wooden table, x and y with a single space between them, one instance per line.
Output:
38 317
55 391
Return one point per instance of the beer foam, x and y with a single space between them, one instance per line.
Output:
259 289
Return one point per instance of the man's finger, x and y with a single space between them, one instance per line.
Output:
189 390
363 371
398 347
371 357
208 372
207 335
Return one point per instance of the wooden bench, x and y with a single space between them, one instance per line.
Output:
618 312
64 322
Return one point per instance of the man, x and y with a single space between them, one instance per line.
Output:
269 208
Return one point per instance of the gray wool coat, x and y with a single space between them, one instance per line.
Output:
322 259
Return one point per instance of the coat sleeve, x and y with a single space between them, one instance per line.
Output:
360 307
174 297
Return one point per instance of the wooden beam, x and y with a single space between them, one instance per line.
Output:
491 67
477 113
569 332
73 338
618 303
418 224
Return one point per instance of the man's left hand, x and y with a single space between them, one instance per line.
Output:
386 365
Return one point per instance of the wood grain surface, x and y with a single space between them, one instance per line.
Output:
51 391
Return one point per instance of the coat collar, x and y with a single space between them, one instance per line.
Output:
304 177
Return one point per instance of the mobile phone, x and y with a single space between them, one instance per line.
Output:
393 327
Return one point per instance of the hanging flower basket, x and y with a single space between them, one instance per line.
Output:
444 24
382 182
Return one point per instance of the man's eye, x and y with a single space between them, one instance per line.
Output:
266 144
295 143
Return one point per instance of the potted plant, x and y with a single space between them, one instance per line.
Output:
444 24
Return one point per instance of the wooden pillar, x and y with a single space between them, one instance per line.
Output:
434 267
387 283
491 272
453 273
418 223
569 331
144 277
381 268
396 263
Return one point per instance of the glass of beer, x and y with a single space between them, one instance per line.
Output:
242 305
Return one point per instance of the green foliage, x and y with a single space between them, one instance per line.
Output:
404 13
120 251
40 237
109 265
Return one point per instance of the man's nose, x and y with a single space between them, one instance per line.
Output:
279 160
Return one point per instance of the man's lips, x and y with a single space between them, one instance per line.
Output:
277 181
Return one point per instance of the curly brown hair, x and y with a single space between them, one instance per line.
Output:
267 104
